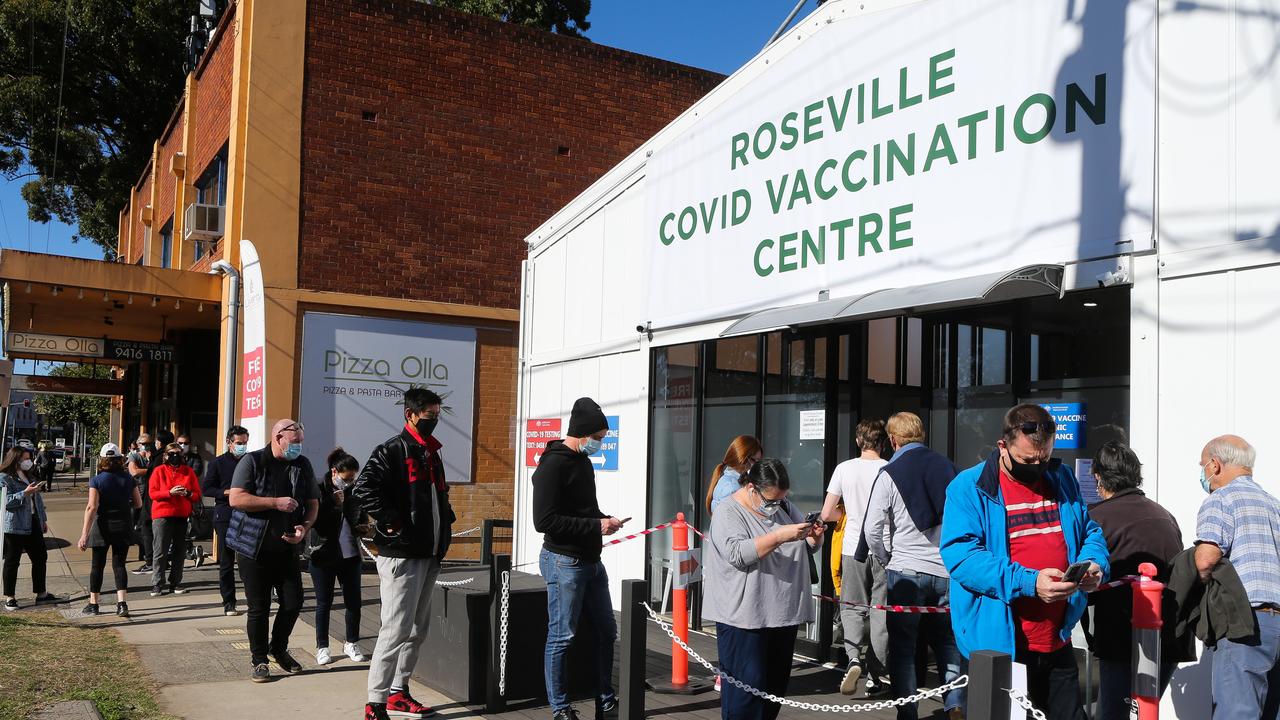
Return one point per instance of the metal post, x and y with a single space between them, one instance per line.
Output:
679 600
631 673
486 541
1147 621
990 676
495 702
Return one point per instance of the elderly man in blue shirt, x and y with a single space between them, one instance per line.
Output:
1240 521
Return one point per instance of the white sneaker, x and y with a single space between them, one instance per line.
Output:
353 651
322 656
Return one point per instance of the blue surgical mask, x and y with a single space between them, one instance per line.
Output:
1204 481
293 451
591 446
239 449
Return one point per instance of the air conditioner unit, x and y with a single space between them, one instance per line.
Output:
204 222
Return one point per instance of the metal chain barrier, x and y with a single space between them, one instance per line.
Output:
454 583
1021 698
468 531
959 682
502 633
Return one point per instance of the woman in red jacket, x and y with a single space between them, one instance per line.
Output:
174 488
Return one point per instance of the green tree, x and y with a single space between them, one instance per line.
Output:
567 17
91 411
118 74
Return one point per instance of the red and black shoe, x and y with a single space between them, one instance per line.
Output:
402 705
375 712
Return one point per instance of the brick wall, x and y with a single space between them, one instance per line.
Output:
213 97
170 143
491 494
432 140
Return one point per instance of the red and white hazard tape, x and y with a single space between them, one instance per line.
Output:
697 532
642 533
915 609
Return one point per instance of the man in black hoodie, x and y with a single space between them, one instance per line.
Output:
565 510
403 489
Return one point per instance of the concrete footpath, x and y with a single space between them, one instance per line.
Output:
199 656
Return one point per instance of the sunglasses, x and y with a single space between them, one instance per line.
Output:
1031 428
767 502
296 427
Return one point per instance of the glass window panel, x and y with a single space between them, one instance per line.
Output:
994 362
882 351
1035 357
964 356
730 401
672 448
915 331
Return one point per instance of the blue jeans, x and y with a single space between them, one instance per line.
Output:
760 658
1246 675
911 588
576 588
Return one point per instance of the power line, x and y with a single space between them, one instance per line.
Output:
57 126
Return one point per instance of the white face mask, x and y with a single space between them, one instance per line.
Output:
25 465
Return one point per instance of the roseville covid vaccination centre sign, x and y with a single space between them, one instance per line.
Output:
936 206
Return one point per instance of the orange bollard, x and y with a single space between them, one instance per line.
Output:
1147 621
680 601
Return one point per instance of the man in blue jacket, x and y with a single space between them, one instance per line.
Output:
1012 526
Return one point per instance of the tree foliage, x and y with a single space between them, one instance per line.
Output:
122 78
567 17
91 411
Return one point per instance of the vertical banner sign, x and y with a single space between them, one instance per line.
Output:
537 433
355 371
254 373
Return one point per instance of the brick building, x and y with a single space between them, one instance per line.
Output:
386 159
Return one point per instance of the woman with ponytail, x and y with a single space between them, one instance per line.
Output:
335 554
729 475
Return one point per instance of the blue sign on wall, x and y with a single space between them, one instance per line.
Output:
607 459
1071 419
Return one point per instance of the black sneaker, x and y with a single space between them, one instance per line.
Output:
376 711
178 590
90 609
566 714
230 610
286 662
607 709
122 609
849 683
47 598
11 604
144 570
876 686
157 591
261 673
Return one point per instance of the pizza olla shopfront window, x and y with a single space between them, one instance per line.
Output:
803 390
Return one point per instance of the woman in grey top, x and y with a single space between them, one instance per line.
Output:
757 587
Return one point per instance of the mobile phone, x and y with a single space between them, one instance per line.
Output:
625 520
1075 573
812 518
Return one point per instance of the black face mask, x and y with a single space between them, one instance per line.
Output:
426 426
173 459
1027 473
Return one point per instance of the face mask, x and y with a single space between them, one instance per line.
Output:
25 465
426 426
766 508
293 451
239 449
1204 481
591 446
184 446
1026 473
173 459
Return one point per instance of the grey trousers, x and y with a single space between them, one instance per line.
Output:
866 632
405 586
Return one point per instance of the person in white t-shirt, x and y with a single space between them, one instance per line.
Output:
866 637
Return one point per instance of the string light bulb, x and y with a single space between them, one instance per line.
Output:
177 305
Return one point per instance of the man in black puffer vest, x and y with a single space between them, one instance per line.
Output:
403 489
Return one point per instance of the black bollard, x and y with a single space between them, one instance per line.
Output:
495 702
990 677
631 672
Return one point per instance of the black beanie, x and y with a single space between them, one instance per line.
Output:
586 419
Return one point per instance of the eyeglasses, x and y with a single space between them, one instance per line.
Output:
767 502
1031 428
296 427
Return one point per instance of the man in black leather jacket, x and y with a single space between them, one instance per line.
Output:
403 489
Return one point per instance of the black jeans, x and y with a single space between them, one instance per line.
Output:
142 521
33 545
759 658
226 566
1053 683
347 573
119 553
270 571
169 550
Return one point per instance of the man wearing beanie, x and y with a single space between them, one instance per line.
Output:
566 512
